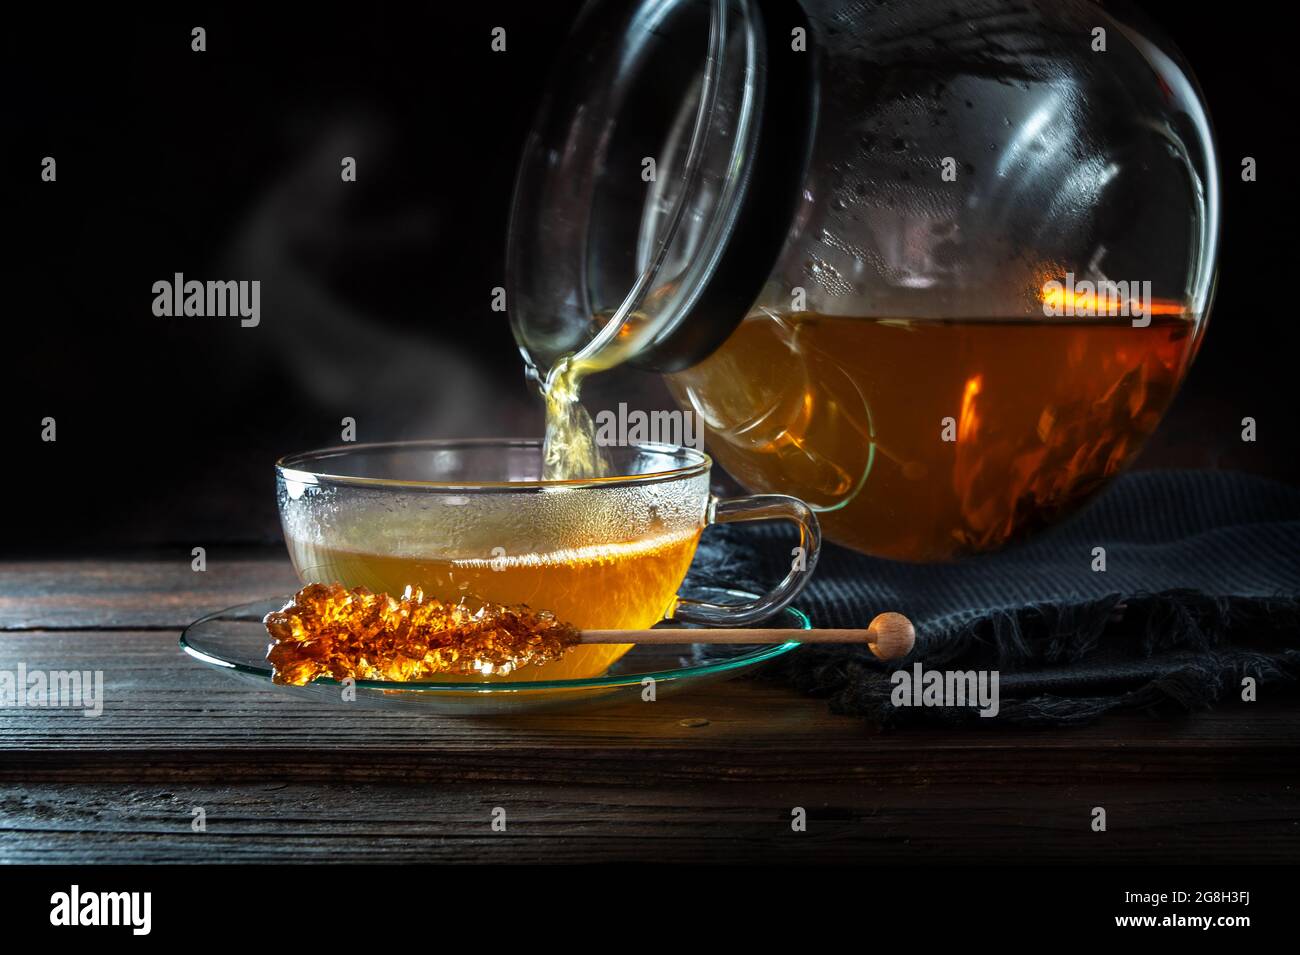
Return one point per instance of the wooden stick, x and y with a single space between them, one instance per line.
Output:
711 635
890 636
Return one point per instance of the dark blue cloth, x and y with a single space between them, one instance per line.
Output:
1201 589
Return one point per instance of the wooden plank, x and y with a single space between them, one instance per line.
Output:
1147 823
703 777
166 714
134 593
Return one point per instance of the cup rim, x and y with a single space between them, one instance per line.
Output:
291 467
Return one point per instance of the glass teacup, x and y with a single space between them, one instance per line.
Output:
472 520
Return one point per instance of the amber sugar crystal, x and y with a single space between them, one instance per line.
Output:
327 630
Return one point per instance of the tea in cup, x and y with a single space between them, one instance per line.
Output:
475 521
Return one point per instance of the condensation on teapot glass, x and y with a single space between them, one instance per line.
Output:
899 370
992 267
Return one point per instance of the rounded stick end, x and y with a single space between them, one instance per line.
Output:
891 636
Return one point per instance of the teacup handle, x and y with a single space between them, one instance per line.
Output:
759 507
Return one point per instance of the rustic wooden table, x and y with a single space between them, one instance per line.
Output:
711 777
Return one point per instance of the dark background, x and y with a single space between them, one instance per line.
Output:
376 294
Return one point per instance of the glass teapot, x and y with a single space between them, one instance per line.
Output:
936 267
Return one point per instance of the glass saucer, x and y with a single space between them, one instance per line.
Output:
235 641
